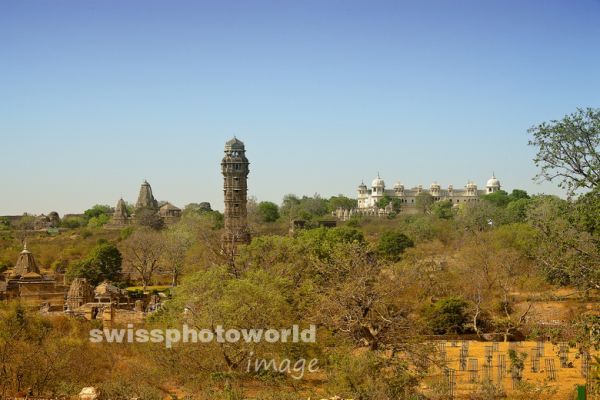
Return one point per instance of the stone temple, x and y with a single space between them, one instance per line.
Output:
27 282
146 201
146 198
234 168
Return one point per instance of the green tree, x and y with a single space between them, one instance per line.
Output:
267 211
196 208
424 202
502 199
73 222
480 215
517 363
517 210
106 259
315 205
98 221
321 241
499 198
307 208
341 201
214 296
103 263
443 209
518 194
568 150
26 222
97 210
587 211
178 240
448 315
565 251
392 244
4 223
215 219
290 207
387 199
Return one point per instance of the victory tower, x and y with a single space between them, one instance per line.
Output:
234 168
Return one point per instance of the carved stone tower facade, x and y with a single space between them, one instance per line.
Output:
146 198
234 168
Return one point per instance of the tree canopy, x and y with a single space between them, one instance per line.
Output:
267 211
102 263
392 244
568 150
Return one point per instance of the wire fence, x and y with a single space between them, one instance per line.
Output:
463 370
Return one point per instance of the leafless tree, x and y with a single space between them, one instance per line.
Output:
143 251
178 240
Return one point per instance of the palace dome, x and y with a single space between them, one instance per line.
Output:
493 182
378 182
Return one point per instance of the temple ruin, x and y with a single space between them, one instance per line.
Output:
27 282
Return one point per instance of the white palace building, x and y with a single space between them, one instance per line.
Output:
368 198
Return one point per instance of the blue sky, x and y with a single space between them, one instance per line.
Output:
96 96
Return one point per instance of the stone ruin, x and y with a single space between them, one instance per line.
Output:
107 303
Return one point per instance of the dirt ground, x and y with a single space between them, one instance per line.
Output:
470 380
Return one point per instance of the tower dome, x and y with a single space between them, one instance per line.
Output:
378 182
234 144
398 186
471 188
493 182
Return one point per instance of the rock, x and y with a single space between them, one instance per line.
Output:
88 393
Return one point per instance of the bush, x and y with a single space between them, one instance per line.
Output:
103 263
393 244
73 222
97 222
267 211
97 211
126 232
447 315
360 376
3 266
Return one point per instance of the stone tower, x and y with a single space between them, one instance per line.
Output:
145 198
26 263
120 217
234 168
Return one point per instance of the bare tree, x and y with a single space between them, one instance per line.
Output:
178 240
143 251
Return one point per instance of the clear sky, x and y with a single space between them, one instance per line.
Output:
98 95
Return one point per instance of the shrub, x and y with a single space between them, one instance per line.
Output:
393 244
447 315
